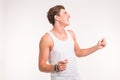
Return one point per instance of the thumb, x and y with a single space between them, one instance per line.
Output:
66 61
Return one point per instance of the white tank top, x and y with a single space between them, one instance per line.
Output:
63 50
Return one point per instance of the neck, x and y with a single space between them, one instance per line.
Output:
59 29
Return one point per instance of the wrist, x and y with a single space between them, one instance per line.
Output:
97 47
56 68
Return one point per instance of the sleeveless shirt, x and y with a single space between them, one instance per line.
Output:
63 50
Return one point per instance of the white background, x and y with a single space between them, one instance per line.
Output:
23 22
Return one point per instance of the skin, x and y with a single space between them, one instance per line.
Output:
46 43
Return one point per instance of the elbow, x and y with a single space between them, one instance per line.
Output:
80 54
40 69
40 66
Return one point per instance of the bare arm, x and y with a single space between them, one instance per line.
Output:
84 52
44 49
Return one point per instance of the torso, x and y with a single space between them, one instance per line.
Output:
63 49
60 37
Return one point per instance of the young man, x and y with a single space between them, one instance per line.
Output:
59 46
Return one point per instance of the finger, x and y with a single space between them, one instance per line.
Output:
101 41
66 61
63 62
104 41
62 68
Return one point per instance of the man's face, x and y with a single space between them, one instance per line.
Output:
64 17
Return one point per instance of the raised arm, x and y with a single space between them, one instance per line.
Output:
84 52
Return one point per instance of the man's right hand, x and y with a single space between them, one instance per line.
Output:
62 65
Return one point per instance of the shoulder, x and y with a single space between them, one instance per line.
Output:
46 39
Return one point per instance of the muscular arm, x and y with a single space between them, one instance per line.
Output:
84 52
44 49
45 46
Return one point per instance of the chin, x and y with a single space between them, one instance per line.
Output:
67 25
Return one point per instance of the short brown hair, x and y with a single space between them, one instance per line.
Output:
52 12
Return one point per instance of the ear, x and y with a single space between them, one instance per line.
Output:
56 17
